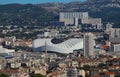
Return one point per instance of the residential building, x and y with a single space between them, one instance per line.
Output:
72 72
74 18
70 17
88 45
115 48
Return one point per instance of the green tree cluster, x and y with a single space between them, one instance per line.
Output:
3 75
37 75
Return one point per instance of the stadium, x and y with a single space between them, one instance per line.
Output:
56 45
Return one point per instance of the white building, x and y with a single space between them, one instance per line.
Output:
6 51
72 17
67 46
115 48
88 44
10 40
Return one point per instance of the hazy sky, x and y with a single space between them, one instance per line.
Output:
33 1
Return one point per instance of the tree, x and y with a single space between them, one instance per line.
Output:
37 75
102 65
3 75
24 65
86 67
117 75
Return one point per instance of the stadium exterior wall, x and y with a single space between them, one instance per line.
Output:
64 47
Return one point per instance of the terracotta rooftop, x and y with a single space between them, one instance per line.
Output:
9 71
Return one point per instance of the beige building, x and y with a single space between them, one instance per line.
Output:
93 21
115 32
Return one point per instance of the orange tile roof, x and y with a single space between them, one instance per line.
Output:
109 73
9 71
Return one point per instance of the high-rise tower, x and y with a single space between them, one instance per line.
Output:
88 45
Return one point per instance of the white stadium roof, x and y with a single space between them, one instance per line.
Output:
64 47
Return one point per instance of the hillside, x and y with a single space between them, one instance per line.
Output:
44 14
17 14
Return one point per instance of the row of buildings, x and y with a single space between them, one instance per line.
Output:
78 18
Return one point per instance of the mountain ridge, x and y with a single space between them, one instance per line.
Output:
44 14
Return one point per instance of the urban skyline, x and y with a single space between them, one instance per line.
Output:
59 40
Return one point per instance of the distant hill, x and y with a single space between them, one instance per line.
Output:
17 14
44 14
